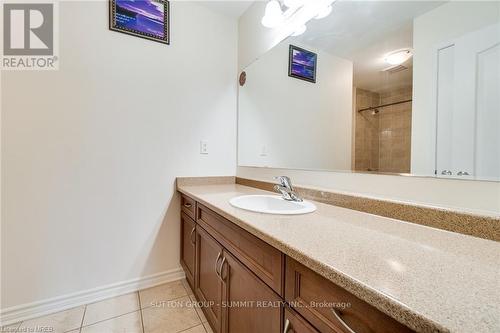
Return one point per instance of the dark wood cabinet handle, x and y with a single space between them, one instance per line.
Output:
337 314
287 326
193 241
187 205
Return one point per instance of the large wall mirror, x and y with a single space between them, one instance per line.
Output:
405 87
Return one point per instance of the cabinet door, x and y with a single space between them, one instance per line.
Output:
188 248
208 285
249 304
294 323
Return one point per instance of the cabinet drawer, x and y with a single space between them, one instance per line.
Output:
261 258
333 308
188 206
294 323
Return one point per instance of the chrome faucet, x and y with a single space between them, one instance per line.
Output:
286 189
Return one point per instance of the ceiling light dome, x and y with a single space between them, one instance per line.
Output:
273 15
398 57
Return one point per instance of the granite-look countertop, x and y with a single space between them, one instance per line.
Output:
428 279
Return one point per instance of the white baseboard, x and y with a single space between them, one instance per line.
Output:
41 308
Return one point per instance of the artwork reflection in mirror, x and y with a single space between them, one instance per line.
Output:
408 87
302 64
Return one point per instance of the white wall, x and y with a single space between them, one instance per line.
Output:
431 30
90 152
465 195
300 124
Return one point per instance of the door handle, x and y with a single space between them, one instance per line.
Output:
221 268
216 262
193 241
336 313
287 326
446 173
462 173
188 205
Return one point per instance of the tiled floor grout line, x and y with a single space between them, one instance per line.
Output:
184 330
189 295
17 328
184 286
114 317
140 310
83 318
115 296
199 317
168 300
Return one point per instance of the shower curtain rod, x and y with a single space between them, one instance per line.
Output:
384 105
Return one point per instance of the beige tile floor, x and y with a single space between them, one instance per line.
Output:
168 308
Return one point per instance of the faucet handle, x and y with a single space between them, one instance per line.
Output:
284 181
283 191
286 189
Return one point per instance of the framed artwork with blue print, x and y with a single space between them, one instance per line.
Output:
302 64
148 19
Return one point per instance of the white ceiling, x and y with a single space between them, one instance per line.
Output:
230 8
365 31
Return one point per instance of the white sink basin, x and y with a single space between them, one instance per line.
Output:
272 204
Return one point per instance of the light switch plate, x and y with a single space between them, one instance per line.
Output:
203 147
263 151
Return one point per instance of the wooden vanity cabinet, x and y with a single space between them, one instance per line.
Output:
188 247
244 284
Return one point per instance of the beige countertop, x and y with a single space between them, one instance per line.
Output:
426 278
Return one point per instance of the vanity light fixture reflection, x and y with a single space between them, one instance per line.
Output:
300 12
273 16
